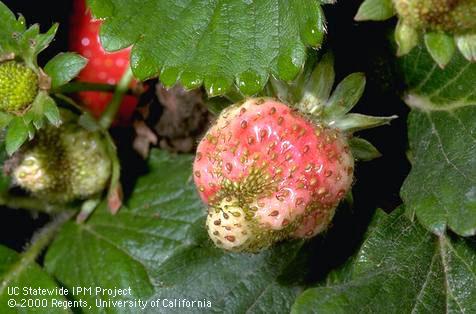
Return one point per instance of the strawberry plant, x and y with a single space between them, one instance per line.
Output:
238 156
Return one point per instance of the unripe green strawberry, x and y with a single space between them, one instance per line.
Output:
18 86
454 16
63 164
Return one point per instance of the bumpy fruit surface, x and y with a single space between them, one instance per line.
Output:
268 173
64 164
103 67
18 86
455 16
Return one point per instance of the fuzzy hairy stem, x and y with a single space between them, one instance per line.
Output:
121 89
32 204
39 242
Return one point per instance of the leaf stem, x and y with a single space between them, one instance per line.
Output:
110 113
39 242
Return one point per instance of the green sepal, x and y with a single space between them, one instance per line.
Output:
441 47
5 119
406 38
375 10
467 46
10 27
17 134
43 107
313 99
354 122
64 67
318 85
362 149
34 119
345 96
24 44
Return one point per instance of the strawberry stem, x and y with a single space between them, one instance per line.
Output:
74 87
32 204
39 242
121 89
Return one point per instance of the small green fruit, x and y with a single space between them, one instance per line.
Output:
453 16
64 164
18 86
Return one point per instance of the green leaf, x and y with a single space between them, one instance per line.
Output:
216 43
64 67
441 187
15 273
363 150
375 10
441 47
17 134
400 268
158 245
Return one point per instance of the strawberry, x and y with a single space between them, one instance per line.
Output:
442 15
63 164
103 67
268 171
265 161
18 87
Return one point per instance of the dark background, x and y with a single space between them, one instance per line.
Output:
358 47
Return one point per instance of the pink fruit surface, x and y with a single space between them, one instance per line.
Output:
268 173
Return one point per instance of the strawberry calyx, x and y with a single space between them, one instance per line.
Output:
444 25
311 95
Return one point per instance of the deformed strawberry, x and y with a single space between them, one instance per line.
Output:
63 164
270 172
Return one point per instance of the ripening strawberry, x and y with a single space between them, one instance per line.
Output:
103 67
269 172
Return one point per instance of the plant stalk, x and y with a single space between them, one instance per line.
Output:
74 87
121 89
31 204
39 242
